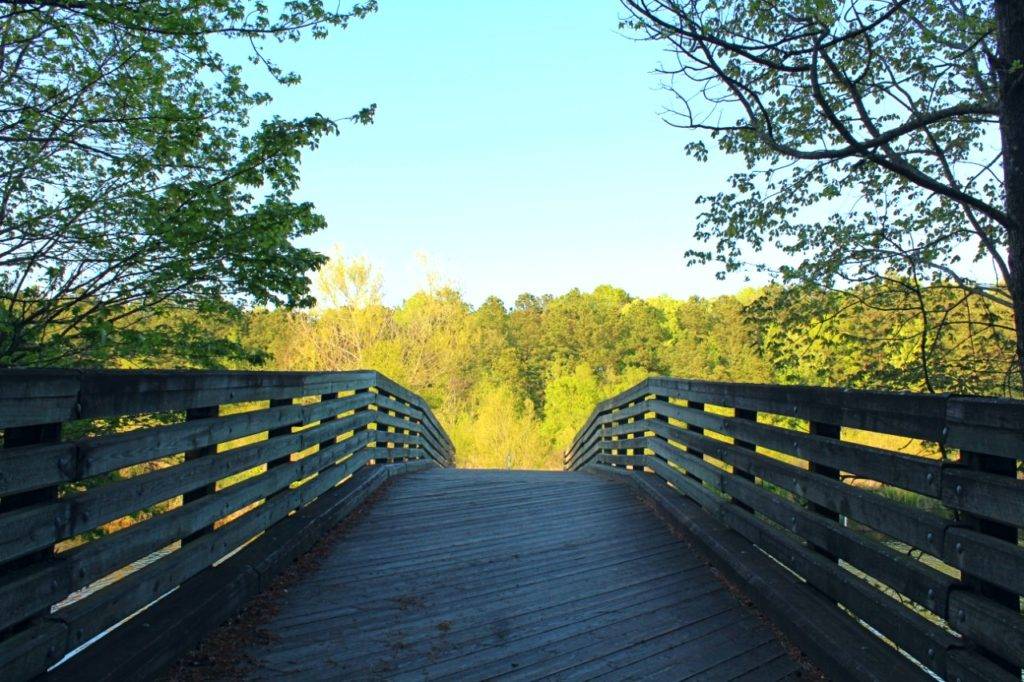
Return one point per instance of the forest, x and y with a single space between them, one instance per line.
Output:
512 385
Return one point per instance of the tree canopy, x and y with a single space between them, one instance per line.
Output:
883 140
513 384
134 177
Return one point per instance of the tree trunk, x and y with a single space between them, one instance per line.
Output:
1009 16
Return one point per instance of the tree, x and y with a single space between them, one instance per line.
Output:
350 319
904 117
499 431
132 176
713 340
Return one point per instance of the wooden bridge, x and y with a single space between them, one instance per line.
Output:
701 530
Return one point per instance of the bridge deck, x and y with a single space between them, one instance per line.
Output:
467 574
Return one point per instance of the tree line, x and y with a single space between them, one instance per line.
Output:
512 384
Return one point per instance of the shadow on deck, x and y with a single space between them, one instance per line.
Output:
463 574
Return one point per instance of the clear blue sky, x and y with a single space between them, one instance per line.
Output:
518 144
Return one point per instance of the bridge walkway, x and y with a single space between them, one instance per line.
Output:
469 574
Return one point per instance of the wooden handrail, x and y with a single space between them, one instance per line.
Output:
780 466
191 466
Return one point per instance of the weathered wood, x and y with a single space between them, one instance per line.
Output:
988 558
991 613
995 497
746 416
201 488
492 603
41 525
153 641
797 511
843 649
24 505
337 437
904 471
957 421
915 527
35 466
831 432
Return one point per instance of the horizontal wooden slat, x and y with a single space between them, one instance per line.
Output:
922 639
36 466
995 497
995 627
904 471
995 560
905 575
809 540
32 396
915 527
110 453
989 425
20 594
26 530
405 430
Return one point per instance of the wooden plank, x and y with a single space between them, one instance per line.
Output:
997 628
549 652
843 649
1002 487
34 396
537 592
989 425
995 497
36 466
904 574
199 489
921 638
991 559
27 530
957 421
45 396
913 526
105 608
110 453
904 471
21 593
32 519
155 639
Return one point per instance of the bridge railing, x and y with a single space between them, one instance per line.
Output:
924 549
118 486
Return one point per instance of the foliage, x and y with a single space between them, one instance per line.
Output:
133 178
881 139
512 386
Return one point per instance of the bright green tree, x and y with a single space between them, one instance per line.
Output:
883 140
134 176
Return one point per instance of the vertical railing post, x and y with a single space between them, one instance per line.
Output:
194 414
324 444
391 429
358 410
997 466
20 436
408 431
826 431
751 416
660 418
280 431
612 439
632 435
695 405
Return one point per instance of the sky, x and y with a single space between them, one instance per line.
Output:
518 147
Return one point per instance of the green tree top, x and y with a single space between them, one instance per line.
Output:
132 175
